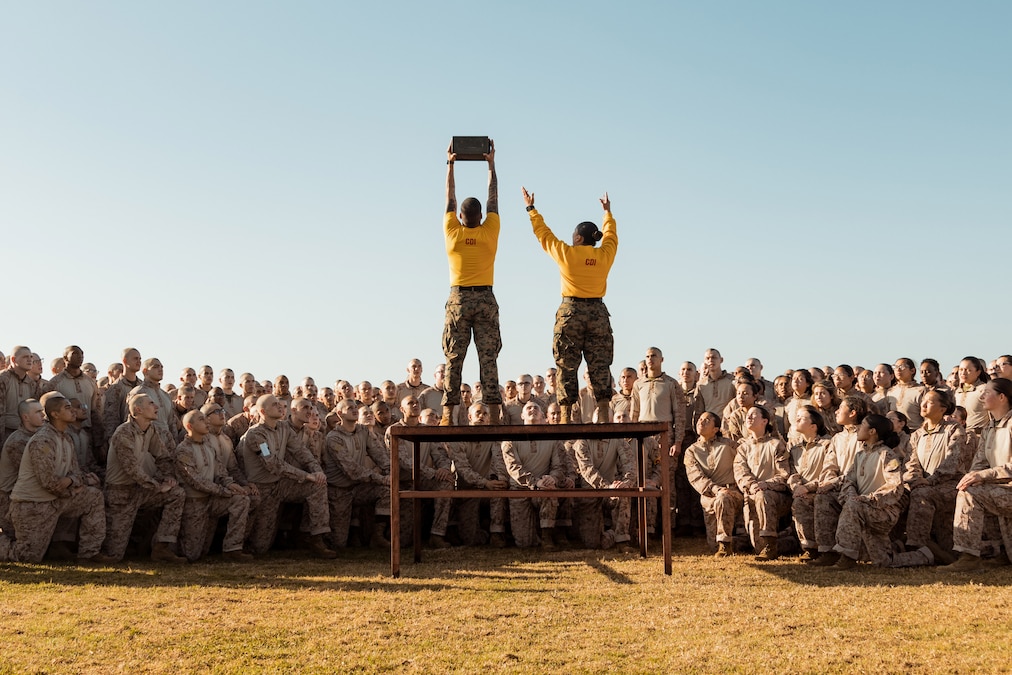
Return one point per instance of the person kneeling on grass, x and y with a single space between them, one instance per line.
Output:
871 495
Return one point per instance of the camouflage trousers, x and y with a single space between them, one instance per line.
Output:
972 505
440 516
720 514
527 514
122 502
6 526
867 524
827 517
763 511
803 512
583 331
467 514
590 514
200 518
273 495
472 310
932 508
35 522
343 500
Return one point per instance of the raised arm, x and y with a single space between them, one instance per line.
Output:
451 188
492 206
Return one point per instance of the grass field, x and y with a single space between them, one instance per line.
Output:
490 611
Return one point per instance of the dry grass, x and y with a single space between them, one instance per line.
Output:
490 611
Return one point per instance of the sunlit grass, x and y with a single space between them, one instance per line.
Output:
470 610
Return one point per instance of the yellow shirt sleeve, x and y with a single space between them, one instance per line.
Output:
583 269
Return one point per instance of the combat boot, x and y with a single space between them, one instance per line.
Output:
827 559
437 541
237 555
967 562
378 540
723 549
809 555
494 413
161 552
497 540
319 549
941 556
546 539
564 411
767 549
845 563
447 418
603 412
98 559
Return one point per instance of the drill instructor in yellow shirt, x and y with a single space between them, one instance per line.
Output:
582 324
471 246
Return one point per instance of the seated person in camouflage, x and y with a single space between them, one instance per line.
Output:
210 494
479 466
534 465
605 463
709 467
272 457
50 485
357 466
140 473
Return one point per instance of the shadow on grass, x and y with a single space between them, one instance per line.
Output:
610 572
866 575
359 571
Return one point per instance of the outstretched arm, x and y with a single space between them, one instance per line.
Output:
492 206
451 188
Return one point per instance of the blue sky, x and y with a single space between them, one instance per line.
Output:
260 185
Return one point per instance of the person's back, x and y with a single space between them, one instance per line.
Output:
471 308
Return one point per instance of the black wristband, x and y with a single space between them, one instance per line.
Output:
531 207
449 161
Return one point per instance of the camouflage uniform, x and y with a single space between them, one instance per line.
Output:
475 463
206 482
807 459
114 411
85 390
10 464
583 330
871 495
138 464
472 309
526 462
37 503
431 456
940 457
757 460
601 462
167 425
236 428
709 467
14 390
993 461
272 458
352 480
842 449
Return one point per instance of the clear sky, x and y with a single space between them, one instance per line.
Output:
261 185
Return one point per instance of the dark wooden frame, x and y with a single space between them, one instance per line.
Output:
637 431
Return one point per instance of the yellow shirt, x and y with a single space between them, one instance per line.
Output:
471 250
584 269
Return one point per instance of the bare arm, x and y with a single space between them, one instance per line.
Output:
492 206
451 188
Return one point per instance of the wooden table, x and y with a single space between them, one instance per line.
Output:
537 432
